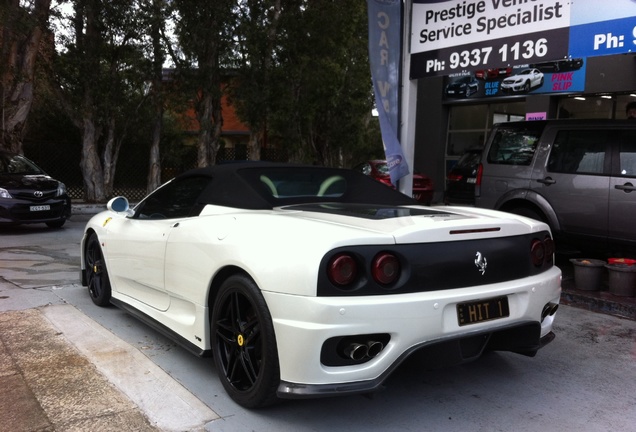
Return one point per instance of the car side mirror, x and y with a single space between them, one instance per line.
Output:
120 205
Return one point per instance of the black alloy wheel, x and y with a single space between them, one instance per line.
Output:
96 273
244 343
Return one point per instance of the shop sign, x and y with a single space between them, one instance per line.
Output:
555 77
536 116
606 30
452 36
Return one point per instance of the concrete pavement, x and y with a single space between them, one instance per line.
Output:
74 375
62 371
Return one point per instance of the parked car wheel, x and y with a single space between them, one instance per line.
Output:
244 344
56 224
96 273
529 213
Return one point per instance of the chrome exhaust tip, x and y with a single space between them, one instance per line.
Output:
549 310
374 348
356 351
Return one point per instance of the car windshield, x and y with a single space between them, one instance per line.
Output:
515 146
281 186
16 164
469 159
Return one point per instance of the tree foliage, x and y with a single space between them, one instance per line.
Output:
305 78
296 71
203 31
100 83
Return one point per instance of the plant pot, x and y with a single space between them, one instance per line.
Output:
588 273
622 279
626 261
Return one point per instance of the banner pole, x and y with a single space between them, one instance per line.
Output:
408 103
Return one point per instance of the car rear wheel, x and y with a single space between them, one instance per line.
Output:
96 273
244 343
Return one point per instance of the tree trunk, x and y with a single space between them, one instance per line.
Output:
109 160
154 161
204 115
254 146
154 168
90 164
19 55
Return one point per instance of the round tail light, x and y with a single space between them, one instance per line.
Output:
537 252
342 270
385 268
549 249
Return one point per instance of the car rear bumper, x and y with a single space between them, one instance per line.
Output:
413 322
441 353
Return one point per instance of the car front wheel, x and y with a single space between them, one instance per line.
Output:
96 273
244 343
56 224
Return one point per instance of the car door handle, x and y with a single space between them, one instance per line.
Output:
547 181
627 187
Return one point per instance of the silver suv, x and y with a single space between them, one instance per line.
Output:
579 176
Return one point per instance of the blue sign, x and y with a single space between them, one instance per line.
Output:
603 38
385 53
453 36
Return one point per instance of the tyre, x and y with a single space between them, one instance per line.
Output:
526 87
96 273
528 212
244 343
56 224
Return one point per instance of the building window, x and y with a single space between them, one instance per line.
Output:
469 126
595 106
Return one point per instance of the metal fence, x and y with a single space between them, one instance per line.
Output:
62 162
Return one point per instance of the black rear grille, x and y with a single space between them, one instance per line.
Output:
443 265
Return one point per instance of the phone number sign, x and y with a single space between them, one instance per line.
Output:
603 38
514 50
449 36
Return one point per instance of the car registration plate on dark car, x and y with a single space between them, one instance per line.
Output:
482 310
41 208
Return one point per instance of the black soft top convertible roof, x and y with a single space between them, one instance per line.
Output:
265 185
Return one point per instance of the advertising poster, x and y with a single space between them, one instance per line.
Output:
558 76
453 36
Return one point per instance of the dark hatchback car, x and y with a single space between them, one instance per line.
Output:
461 179
28 195
462 87
423 188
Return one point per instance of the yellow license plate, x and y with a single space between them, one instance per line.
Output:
482 310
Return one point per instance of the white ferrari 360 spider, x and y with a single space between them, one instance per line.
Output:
306 281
